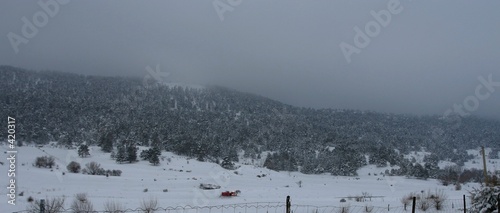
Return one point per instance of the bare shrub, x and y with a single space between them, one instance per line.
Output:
366 196
50 161
407 199
438 199
82 197
150 205
113 207
94 168
81 204
44 161
423 204
52 205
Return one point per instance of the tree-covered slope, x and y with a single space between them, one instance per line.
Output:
214 123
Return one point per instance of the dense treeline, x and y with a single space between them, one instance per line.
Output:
216 123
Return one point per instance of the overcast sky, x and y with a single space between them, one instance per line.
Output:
425 59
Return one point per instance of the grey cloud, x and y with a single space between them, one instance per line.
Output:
427 59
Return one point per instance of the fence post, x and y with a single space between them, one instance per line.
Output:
414 205
288 205
465 205
42 205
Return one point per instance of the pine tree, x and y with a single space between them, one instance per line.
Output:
431 165
83 151
67 141
131 153
121 154
106 142
145 154
201 152
233 155
420 172
154 159
156 142
485 199
155 151
150 153
113 154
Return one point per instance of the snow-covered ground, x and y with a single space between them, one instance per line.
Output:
181 176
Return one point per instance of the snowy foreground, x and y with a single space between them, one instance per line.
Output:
182 176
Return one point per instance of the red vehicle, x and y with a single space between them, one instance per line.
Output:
229 193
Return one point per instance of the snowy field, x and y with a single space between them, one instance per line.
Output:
182 176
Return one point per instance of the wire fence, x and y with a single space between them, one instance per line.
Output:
368 209
228 208
449 206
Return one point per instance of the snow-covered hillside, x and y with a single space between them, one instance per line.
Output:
182 176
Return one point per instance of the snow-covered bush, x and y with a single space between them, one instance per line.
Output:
114 172
94 168
484 200
73 167
45 161
227 164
